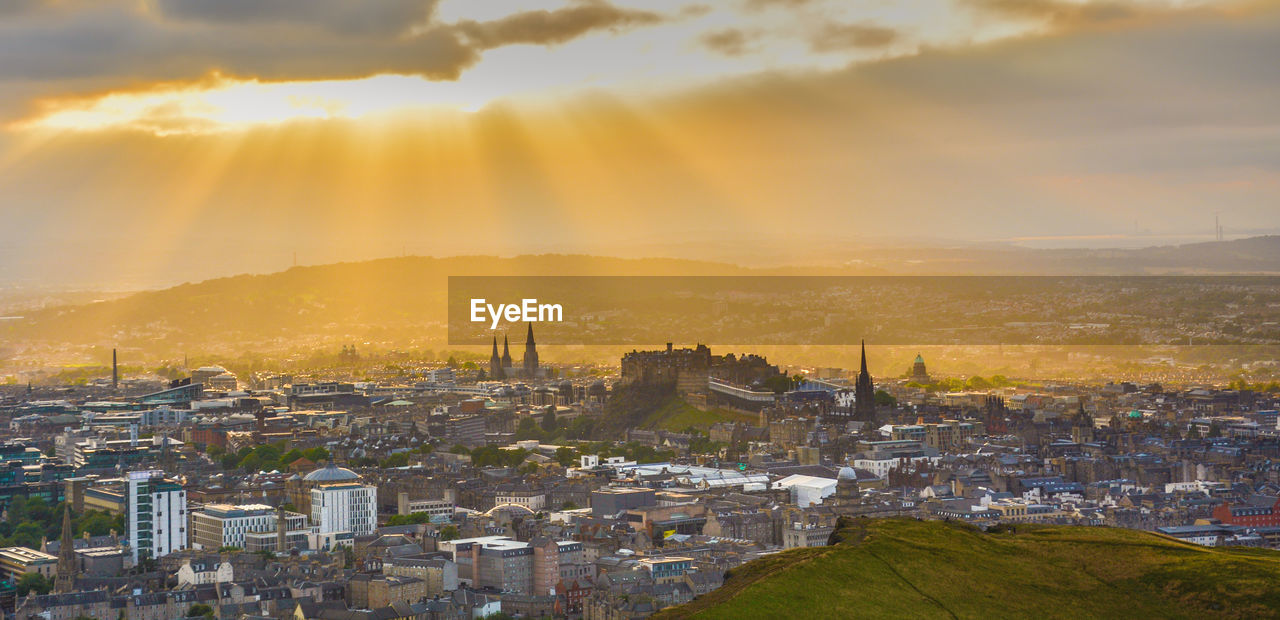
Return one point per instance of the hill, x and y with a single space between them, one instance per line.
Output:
401 302
395 299
658 407
900 568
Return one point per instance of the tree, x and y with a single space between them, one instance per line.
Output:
412 518
565 455
449 532
200 609
36 582
316 455
528 429
549 420
885 399
778 383
98 523
400 459
28 535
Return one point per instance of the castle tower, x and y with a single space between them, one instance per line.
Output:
530 355
864 392
65 581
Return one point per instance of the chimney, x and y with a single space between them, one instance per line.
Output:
115 371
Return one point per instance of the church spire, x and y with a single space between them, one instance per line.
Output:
495 363
530 355
65 581
864 392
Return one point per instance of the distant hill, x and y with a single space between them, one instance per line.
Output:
900 568
402 300
1254 255
399 299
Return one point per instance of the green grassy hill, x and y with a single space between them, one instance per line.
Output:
658 407
677 415
899 568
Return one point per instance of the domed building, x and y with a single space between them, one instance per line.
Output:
847 491
331 473
298 488
918 372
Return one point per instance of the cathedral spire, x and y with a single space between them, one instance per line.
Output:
65 581
495 363
530 355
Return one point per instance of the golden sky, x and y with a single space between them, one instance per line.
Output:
151 141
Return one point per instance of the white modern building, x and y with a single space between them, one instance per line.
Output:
156 514
224 525
344 507
807 490
882 467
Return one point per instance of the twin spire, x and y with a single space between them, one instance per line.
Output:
498 365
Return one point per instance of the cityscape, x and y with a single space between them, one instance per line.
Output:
639 309
514 487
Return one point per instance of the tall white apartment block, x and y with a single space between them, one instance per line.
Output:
344 507
156 510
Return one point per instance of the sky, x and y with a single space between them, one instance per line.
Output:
145 142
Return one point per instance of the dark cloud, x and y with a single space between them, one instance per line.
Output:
105 44
365 16
1062 12
114 42
760 5
730 41
840 37
551 27
10 8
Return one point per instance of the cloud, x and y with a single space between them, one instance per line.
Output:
1064 12
552 27
1079 133
730 41
10 8
760 5
343 16
123 43
840 37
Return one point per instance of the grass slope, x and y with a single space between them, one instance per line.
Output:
676 415
900 568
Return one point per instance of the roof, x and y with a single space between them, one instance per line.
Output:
331 473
